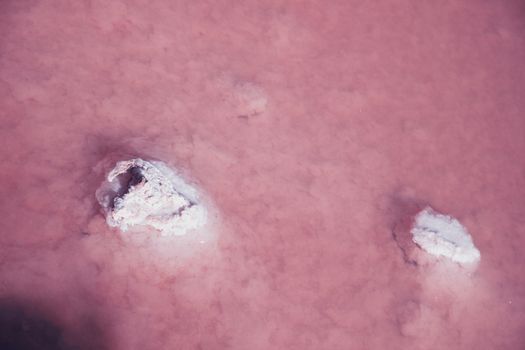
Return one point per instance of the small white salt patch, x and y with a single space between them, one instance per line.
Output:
443 235
150 194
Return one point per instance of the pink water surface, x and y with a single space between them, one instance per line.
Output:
316 129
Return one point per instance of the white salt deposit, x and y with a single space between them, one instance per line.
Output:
443 235
150 194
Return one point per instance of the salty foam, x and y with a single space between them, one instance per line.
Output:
148 193
443 235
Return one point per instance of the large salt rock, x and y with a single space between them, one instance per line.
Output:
442 235
149 194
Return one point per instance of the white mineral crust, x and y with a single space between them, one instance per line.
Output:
148 193
443 235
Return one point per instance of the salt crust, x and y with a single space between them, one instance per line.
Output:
443 235
150 194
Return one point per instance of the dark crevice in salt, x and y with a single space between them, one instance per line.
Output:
404 254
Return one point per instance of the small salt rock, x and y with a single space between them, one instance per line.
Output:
444 236
150 194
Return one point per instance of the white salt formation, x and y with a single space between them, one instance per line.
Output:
149 194
442 235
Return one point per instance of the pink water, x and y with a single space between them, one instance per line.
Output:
317 129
